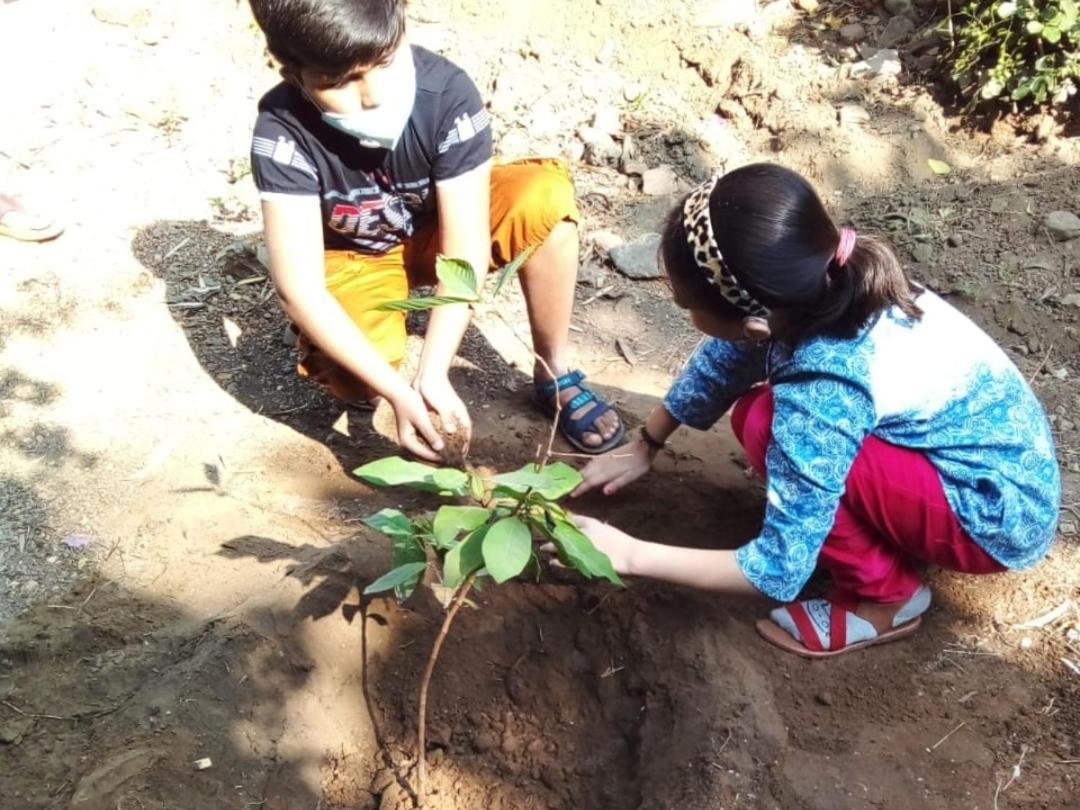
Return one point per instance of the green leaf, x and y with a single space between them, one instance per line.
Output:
1051 34
450 521
395 471
507 548
422 302
391 522
1006 10
578 551
464 558
1034 27
510 270
939 166
457 277
552 481
396 577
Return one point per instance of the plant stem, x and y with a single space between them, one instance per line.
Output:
425 681
542 456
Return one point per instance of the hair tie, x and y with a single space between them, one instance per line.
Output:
845 247
697 221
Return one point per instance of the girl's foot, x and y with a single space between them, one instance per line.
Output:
820 628
586 421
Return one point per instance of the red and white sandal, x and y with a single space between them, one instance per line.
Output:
821 628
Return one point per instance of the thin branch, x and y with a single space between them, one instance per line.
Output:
1041 365
425 681
543 458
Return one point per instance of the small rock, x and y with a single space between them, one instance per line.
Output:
955 240
638 258
1060 373
824 698
1066 424
896 30
440 734
484 740
853 115
600 148
606 119
1062 225
1025 643
660 182
853 33
635 168
203 764
886 62
1067 528
289 337
809 6
1071 300
12 730
606 240
922 252
898 7
31 585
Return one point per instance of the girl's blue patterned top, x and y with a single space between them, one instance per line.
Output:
939 385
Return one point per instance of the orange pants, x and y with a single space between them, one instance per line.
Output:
528 199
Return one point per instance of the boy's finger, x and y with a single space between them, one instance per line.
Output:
411 442
429 434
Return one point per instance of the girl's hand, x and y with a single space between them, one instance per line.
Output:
415 431
617 468
618 545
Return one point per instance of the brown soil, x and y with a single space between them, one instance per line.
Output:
150 408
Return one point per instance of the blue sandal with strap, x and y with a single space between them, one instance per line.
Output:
574 430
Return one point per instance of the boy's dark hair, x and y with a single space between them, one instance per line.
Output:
778 240
330 36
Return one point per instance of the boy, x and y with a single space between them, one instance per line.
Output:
371 157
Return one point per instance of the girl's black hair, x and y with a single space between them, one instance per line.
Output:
779 242
330 36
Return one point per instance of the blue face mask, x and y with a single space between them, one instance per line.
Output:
381 127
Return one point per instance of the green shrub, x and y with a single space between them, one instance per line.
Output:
1023 51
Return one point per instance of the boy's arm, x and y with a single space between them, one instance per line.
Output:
293 230
463 205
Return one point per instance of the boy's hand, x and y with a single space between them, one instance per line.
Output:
441 397
415 431
617 468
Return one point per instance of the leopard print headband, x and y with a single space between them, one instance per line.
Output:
702 241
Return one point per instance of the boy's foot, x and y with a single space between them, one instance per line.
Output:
820 628
17 223
586 421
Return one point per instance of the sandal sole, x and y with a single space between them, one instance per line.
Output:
779 637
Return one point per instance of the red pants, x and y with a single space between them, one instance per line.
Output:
892 519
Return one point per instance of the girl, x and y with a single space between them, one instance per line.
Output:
890 430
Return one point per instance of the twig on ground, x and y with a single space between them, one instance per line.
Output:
1041 365
1013 777
588 456
67 718
943 739
1047 618
425 681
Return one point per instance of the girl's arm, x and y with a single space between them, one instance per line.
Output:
704 569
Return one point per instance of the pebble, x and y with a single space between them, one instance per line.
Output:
1062 225
660 182
606 240
955 240
600 148
922 252
638 258
898 7
606 119
886 62
1061 373
824 698
809 6
853 33
1025 643
1071 300
853 115
897 29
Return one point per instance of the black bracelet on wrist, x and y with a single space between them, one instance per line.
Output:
650 441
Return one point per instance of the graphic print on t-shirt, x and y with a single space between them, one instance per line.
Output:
373 200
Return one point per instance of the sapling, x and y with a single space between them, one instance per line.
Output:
493 525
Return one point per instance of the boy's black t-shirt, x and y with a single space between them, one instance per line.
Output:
373 199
